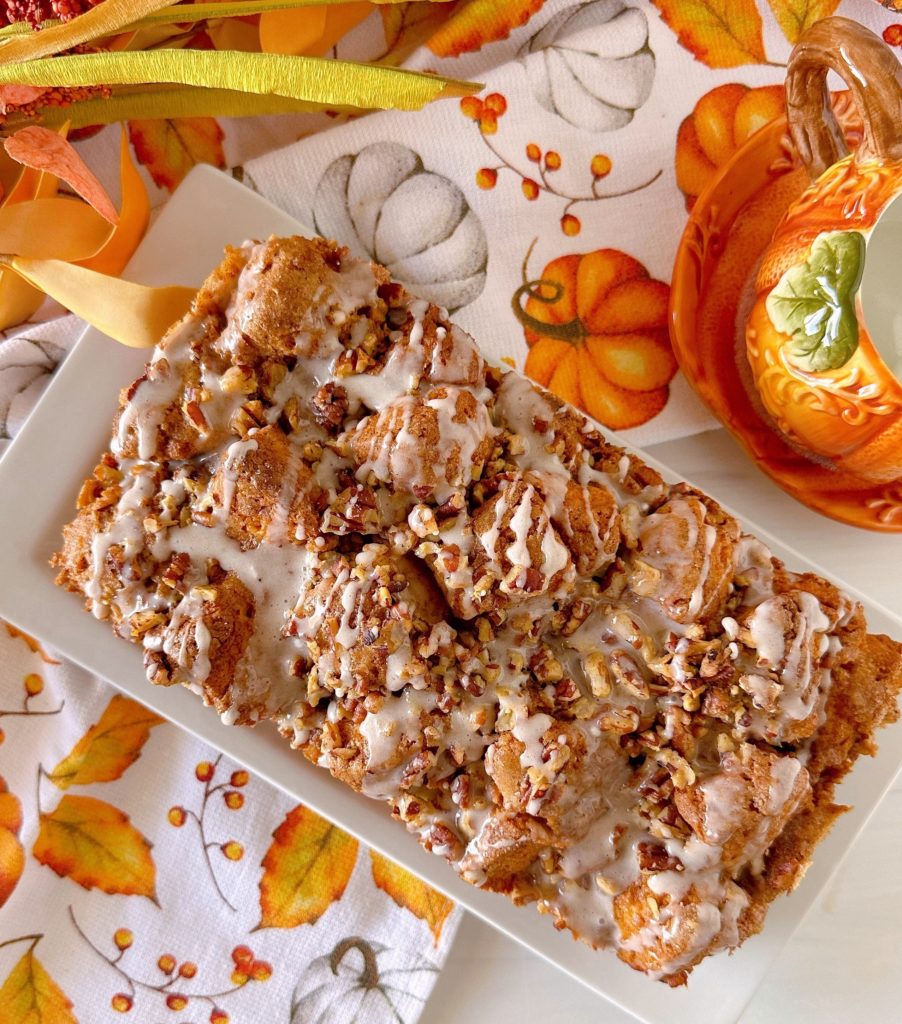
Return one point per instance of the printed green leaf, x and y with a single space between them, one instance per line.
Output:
814 301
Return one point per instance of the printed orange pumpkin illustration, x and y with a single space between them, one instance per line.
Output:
596 326
719 124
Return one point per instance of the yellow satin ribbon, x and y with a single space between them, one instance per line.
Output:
133 314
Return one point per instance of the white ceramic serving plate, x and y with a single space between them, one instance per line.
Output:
40 476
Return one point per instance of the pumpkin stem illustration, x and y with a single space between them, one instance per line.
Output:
369 976
547 292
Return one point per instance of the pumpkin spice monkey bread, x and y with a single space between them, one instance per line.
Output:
582 686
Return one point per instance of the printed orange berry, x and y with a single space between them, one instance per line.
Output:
488 123
242 954
496 103
33 684
261 970
204 771
238 779
176 1002
533 152
232 850
486 177
530 188
240 976
570 225
166 963
177 816
601 165
892 34
121 1003
123 938
187 969
218 1016
2 735
553 160
471 106
233 800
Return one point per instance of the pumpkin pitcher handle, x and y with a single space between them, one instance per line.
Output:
868 67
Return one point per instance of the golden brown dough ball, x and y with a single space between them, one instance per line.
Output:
685 556
426 445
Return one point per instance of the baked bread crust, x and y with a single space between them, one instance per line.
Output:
582 686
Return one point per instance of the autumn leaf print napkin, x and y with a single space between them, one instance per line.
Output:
144 875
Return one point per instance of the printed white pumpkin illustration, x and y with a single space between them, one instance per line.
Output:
360 982
591 64
385 206
25 368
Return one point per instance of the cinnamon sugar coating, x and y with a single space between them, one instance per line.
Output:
584 687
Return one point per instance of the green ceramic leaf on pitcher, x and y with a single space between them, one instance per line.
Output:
814 301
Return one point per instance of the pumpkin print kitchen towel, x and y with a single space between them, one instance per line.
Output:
546 211
144 877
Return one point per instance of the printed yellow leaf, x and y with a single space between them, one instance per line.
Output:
31 644
305 870
409 892
170 147
109 746
794 16
12 856
719 33
480 22
96 845
30 996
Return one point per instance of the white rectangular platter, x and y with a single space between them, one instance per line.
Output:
40 475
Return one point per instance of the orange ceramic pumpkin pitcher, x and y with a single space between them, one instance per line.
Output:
827 369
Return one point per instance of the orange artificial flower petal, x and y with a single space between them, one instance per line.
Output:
309 33
134 216
411 893
54 228
45 150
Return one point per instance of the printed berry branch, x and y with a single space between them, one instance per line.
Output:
33 939
171 988
486 113
33 686
232 850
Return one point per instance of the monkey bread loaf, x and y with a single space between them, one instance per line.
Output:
584 687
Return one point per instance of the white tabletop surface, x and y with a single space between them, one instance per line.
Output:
844 964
